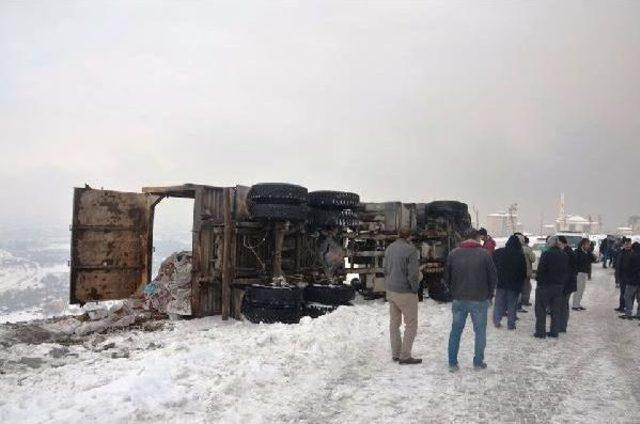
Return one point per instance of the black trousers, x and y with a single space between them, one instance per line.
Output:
563 321
549 297
622 287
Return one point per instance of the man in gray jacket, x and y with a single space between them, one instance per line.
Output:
402 281
472 278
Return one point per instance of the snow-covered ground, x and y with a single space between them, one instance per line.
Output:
336 368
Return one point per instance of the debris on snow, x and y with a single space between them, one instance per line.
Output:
170 291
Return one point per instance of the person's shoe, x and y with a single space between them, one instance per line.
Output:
562 331
582 308
550 334
497 324
539 336
410 361
511 328
619 309
454 368
522 311
625 316
576 309
395 359
637 317
526 304
481 366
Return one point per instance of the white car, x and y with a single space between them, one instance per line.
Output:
538 245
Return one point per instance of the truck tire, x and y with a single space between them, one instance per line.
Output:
279 193
291 297
326 294
333 218
334 199
446 207
278 212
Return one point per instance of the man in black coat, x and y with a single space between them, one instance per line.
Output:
552 277
623 268
604 251
583 260
571 283
512 270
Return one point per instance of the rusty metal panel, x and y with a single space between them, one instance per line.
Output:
111 243
206 289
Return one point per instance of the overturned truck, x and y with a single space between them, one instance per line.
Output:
436 227
270 252
252 247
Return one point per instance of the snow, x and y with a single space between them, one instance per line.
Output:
336 368
19 273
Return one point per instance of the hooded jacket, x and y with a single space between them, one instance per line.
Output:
470 272
489 245
553 268
624 266
511 265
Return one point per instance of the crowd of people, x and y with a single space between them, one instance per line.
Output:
479 275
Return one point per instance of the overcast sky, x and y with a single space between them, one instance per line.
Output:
490 103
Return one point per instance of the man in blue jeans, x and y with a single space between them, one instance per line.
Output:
472 278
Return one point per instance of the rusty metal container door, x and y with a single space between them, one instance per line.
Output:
111 243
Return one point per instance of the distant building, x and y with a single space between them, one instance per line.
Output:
624 231
503 224
577 224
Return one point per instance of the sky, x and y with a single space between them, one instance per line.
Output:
487 102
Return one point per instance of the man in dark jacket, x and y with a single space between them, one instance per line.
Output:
570 286
604 251
472 278
583 260
632 290
551 277
512 271
623 268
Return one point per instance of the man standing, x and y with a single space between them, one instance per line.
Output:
624 271
530 259
512 271
551 276
584 259
488 243
632 290
471 276
571 283
622 268
402 282
604 251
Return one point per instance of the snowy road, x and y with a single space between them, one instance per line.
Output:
334 369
